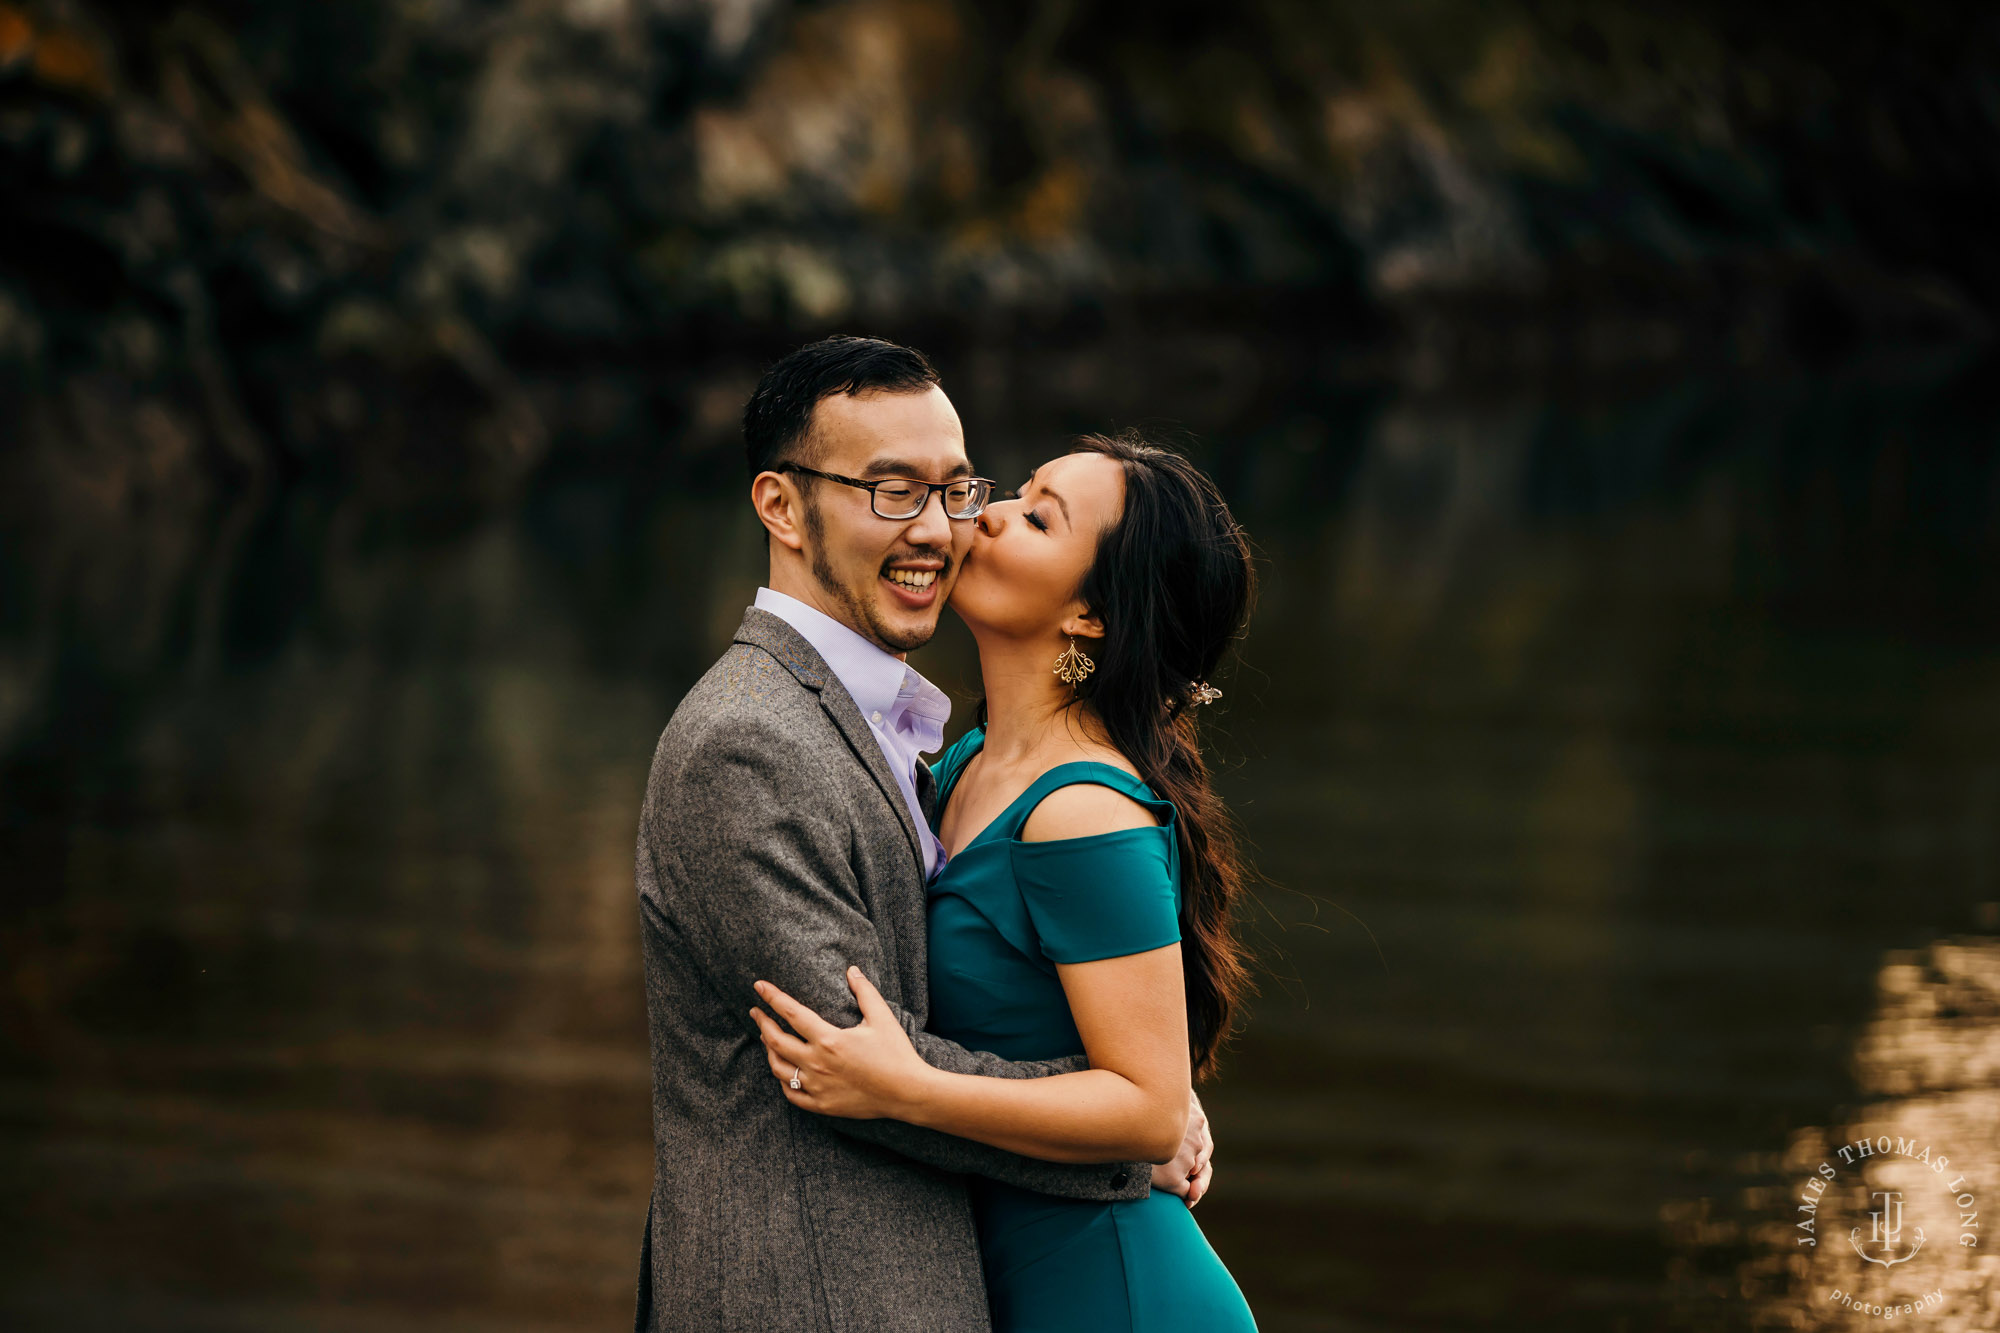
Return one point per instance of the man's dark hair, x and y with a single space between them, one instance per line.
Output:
777 420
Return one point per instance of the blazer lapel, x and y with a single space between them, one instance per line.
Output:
763 630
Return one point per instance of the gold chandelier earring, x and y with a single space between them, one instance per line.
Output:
1072 665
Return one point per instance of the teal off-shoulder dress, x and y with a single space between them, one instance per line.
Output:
1003 913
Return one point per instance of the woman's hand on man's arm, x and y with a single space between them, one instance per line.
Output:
1132 1103
865 1072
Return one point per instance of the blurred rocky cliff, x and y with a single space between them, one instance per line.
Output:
434 236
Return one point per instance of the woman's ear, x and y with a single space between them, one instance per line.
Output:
1088 625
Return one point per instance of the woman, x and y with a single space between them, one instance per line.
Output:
1084 902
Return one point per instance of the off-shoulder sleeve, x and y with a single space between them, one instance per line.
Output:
1101 896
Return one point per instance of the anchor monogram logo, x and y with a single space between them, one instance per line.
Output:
1885 1229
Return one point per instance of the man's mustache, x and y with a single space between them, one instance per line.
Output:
921 554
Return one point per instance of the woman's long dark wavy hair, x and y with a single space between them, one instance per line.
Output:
1173 583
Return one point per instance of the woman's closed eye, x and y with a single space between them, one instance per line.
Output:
1029 514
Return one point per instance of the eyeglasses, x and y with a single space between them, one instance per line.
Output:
900 497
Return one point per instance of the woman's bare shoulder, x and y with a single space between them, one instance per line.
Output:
1081 809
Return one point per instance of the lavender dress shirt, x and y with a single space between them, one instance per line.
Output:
906 712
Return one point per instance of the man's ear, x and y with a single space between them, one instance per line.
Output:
1087 625
779 508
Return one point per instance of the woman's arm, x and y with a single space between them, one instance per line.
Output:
1131 1104
1131 1011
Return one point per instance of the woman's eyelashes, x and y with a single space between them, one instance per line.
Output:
1029 514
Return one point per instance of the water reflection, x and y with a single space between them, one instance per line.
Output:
1822 1236
1597 755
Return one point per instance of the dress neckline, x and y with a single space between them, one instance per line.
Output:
944 796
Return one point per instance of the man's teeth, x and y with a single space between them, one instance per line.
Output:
914 578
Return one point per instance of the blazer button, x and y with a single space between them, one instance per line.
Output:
1120 1179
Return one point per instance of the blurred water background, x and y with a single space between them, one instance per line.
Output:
1609 391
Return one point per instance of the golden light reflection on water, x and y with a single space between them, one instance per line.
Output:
1929 1059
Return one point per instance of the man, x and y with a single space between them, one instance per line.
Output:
784 836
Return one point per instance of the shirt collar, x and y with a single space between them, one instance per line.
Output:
889 691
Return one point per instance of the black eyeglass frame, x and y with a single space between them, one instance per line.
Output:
978 506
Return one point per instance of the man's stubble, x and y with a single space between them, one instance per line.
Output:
860 612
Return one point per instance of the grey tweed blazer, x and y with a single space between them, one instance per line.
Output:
775 843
